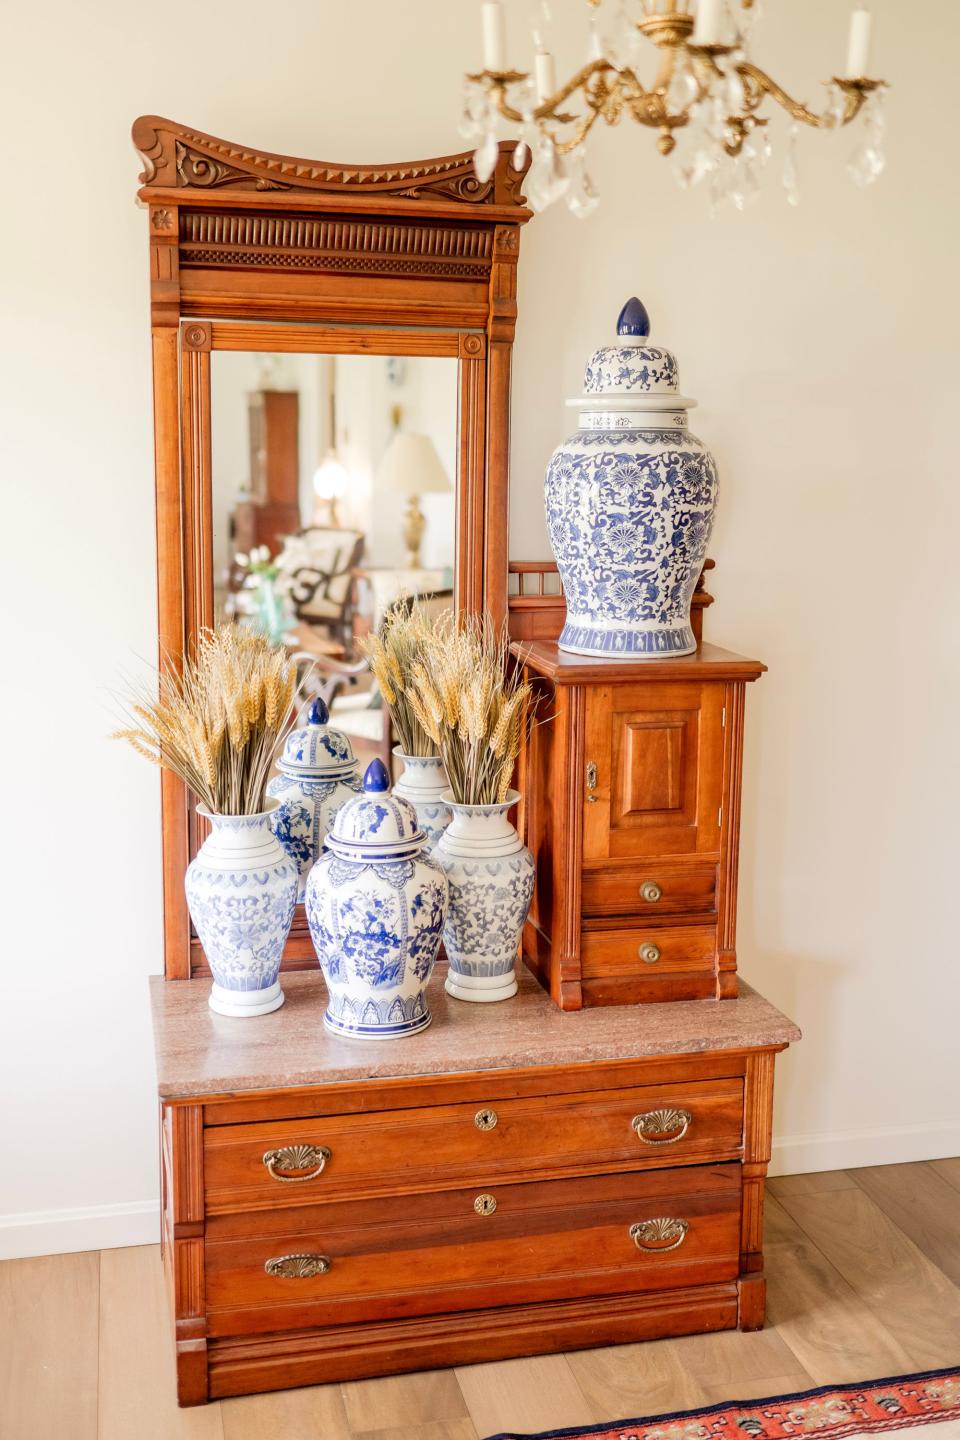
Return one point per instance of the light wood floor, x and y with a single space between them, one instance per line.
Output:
864 1281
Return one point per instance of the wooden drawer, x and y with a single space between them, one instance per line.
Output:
389 1152
647 964
467 1249
652 889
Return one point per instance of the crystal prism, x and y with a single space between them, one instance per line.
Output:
485 156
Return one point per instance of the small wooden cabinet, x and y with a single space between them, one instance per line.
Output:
272 509
631 785
503 1184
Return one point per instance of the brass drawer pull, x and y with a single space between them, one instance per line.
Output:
297 1267
650 891
296 1157
485 1204
485 1119
662 1122
649 1235
649 953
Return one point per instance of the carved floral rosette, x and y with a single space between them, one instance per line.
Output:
630 501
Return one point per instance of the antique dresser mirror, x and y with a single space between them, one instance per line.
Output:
331 360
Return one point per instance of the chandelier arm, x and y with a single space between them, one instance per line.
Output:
757 80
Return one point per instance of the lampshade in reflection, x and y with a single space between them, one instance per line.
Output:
412 467
331 481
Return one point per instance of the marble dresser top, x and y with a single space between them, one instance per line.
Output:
200 1053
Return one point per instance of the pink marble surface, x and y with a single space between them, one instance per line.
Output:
199 1053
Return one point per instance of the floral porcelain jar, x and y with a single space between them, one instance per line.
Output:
630 503
490 872
422 783
242 890
376 904
318 773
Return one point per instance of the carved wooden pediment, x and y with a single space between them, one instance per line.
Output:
176 157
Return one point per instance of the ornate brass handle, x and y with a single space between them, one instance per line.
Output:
297 1267
485 1119
649 953
662 1122
591 782
649 1235
485 1204
296 1157
650 891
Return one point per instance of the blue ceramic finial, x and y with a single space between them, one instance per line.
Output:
318 714
376 781
633 319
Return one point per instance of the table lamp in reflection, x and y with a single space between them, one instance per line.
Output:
330 483
411 467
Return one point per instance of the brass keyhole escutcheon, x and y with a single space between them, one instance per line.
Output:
485 1119
650 891
649 953
485 1204
591 782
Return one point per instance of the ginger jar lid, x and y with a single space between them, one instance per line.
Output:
314 748
633 373
377 825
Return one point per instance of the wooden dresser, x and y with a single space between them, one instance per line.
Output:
512 1181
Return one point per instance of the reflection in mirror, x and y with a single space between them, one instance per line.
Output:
333 498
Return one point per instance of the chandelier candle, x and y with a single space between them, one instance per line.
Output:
494 36
858 47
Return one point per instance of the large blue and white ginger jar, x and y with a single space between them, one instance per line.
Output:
242 890
376 904
490 872
318 774
630 502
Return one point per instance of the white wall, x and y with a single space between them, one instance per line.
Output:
822 343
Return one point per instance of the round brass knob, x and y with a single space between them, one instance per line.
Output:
650 891
485 1204
649 953
485 1119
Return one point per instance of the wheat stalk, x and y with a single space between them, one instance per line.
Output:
394 652
218 721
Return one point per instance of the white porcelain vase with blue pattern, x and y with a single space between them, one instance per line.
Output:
318 774
242 890
630 500
376 903
423 782
490 873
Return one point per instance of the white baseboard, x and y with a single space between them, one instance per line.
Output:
849 1149
93 1227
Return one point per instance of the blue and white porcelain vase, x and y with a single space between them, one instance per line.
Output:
423 782
242 891
490 873
630 503
318 773
376 904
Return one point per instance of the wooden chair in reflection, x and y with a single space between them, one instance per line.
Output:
351 694
318 564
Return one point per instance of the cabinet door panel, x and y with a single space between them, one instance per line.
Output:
654 757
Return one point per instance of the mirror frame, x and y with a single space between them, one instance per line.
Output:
255 251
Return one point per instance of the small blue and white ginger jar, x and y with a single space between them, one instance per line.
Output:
490 872
376 904
318 774
630 500
242 891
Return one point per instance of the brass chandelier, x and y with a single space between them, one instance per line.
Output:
704 101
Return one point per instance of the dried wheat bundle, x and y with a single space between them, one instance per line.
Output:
218 722
473 705
393 651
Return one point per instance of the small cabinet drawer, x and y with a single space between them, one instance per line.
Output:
654 889
467 1249
303 1162
647 950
